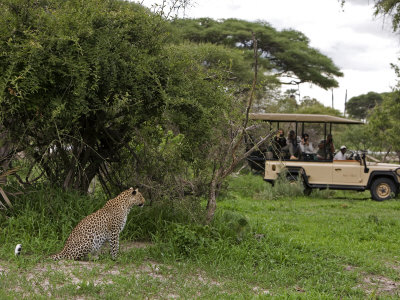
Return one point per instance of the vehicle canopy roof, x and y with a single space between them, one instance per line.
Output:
306 118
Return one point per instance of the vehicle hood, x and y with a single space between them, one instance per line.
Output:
383 166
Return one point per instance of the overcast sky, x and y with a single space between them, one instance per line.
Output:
362 46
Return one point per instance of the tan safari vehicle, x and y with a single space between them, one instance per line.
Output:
354 173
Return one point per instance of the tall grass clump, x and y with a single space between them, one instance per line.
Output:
250 186
43 218
194 241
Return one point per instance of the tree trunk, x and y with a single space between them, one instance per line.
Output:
6 151
387 153
212 200
212 196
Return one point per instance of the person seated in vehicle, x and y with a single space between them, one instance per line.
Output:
321 152
306 146
329 147
292 147
341 155
278 142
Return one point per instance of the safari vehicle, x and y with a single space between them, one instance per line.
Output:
355 173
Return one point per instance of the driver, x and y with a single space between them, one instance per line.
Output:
341 154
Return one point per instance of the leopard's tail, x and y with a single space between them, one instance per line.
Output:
57 256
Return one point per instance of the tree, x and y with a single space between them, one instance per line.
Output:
174 153
389 8
284 53
76 79
360 106
384 123
313 106
226 158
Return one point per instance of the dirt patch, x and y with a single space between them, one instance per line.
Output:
3 270
394 267
261 291
48 277
376 284
350 268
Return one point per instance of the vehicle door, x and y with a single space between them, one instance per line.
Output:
346 172
318 172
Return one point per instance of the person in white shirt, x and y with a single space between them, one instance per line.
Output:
341 154
305 144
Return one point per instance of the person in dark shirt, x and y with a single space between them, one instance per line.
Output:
321 153
329 147
292 146
279 140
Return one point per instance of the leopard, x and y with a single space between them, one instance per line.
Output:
104 225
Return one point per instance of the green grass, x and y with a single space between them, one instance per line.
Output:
264 242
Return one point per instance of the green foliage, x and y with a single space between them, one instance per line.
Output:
285 51
42 220
313 106
172 157
384 122
281 105
76 79
359 107
254 186
357 137
389 8
186 240
94 89
306 106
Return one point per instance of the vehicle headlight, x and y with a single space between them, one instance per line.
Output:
397 171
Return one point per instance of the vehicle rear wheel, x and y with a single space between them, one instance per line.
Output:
383 189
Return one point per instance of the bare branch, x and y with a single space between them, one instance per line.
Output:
246 154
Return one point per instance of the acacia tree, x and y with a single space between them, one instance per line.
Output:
285 53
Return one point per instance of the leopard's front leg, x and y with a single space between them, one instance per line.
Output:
114 244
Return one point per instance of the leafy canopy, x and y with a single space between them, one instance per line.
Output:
284 53
360 106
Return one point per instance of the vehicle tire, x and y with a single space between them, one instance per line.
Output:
383 189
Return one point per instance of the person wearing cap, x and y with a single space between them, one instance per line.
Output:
341 154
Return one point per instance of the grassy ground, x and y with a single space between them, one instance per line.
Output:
263 243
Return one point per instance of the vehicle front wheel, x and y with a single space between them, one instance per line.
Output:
383 189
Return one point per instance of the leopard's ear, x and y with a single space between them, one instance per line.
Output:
134 192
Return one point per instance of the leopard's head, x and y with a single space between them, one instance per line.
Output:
134 197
